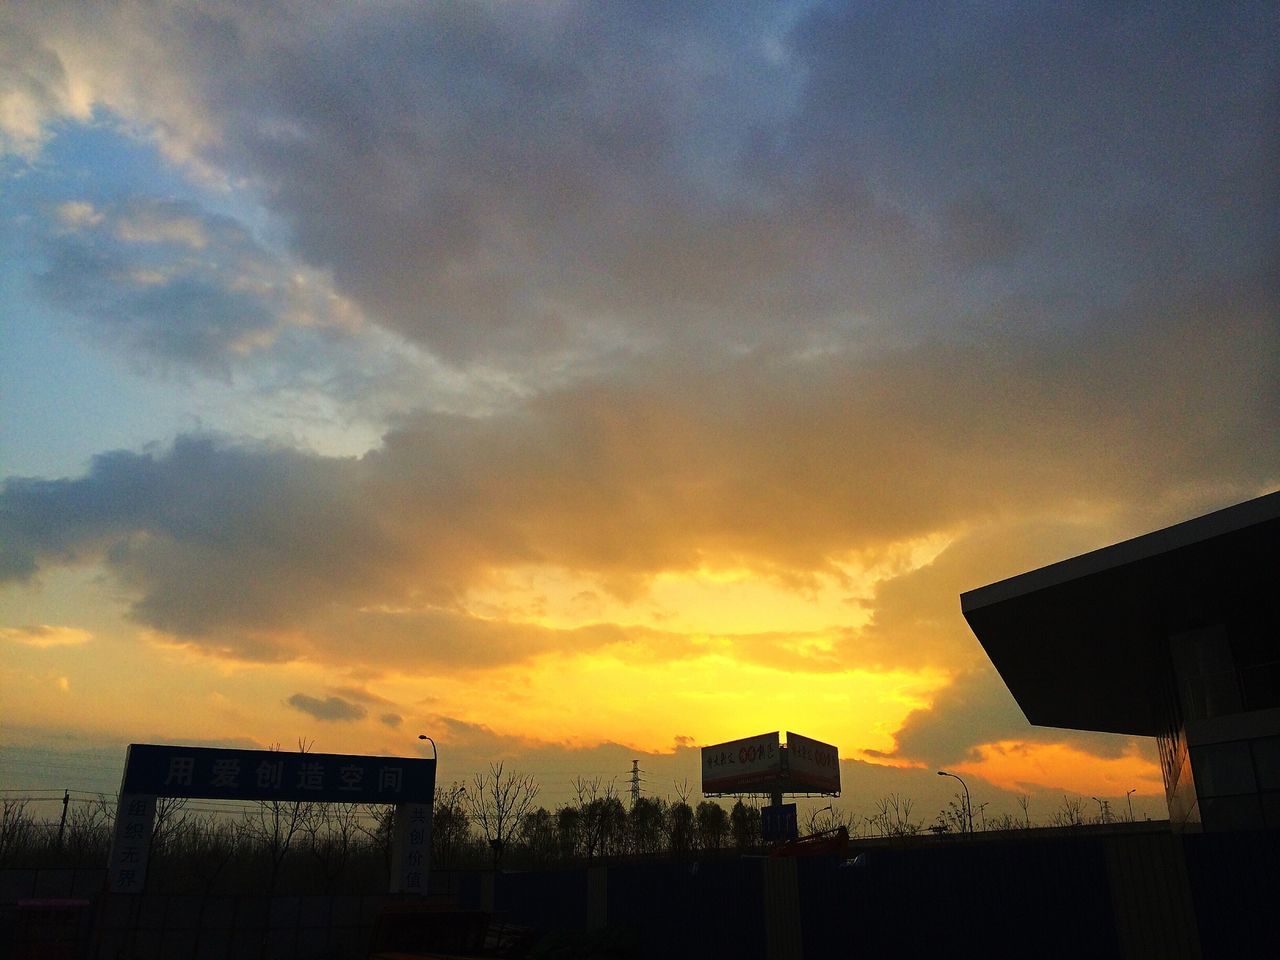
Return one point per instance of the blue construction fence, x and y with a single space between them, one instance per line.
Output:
1207 896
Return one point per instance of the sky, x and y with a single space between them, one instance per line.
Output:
578 383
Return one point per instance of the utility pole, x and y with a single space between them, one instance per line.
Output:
62 824
635 782
1104 810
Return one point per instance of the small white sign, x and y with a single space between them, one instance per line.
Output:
411 855
131 843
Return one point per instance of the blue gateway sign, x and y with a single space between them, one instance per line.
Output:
211 772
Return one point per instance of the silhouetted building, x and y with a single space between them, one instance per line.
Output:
1176 635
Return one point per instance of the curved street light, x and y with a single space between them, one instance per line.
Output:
423 736
813 819
968 807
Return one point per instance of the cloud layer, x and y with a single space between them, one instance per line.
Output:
629 292
564 180
783 467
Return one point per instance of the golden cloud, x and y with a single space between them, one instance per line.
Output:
45 636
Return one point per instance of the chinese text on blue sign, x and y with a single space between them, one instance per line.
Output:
212 772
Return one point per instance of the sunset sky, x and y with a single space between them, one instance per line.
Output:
578 382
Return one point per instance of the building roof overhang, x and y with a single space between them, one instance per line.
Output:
1082 643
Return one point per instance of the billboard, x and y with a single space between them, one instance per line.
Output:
813 766
742 765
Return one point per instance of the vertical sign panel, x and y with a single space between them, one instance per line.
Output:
779 822
411 855
131 843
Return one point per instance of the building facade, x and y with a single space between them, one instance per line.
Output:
1173 635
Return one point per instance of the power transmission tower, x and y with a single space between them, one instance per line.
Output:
635 782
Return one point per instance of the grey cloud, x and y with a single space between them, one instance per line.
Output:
333 709
392 720
781 465
168 283
569 180
359 694
977 709
35 85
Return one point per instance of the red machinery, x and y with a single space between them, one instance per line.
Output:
823 843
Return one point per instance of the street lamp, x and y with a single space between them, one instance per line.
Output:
813 819
968 808
423 736
1129 796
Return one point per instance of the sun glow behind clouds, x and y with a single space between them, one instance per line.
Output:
717 598
600 696
725 649
1023 767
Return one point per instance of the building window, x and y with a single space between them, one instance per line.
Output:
1266 762
1223 769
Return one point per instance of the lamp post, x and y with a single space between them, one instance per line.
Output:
968 807
813 820
1129 796
423 736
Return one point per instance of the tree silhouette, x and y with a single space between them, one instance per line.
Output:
497 802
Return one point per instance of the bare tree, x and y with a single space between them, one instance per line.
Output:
450 826
834 817
378 826
272 826
498 802
89 829
601 814
1024 804
170 823
331 831
1070 814
209 845
893 817
17 827
683 790
954 818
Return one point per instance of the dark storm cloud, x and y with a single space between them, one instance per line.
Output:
333 709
